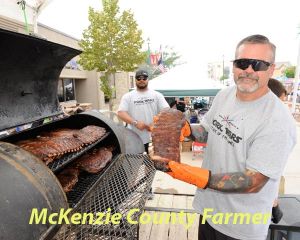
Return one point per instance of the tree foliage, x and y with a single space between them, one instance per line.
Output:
170 58
106 87
290 72
111 43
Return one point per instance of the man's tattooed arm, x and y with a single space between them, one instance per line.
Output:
239 182
200 134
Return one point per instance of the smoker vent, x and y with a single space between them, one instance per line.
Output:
122 187
60 163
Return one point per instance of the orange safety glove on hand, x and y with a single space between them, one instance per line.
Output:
185 131
189 174
151 128
155 119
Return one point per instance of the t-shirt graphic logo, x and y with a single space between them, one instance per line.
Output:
227 121
143 101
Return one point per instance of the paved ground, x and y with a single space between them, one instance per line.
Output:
163 183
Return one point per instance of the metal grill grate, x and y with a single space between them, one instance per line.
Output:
86 183
58 164
124 186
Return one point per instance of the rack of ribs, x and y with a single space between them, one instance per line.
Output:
52 145
94 160
68 178
89 134
166 134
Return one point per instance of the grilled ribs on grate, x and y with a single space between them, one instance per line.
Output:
91 162
61 132
68 178
89 134
94 160
166 134
52 145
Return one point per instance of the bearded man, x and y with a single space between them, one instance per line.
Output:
138 107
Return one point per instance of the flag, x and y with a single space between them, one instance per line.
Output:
161 68
160 63
154 58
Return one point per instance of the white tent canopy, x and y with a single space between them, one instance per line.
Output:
185 80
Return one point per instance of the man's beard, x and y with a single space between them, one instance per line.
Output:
142 86
239 83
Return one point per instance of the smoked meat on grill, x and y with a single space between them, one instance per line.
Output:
52 145
68 178
95 160
166 134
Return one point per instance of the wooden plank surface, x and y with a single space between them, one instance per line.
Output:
153 202
177 230
193 230
189 200
145 229
161 231
165 200
161 225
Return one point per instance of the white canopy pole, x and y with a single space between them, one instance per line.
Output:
37 7
296 82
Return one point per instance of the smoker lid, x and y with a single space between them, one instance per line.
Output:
29 73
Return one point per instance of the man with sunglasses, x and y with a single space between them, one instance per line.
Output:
138 107
249 135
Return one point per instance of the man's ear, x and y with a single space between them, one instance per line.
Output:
272 69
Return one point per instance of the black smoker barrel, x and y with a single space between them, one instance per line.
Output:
30 69
26 184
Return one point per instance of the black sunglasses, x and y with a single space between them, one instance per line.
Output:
141 78
257 65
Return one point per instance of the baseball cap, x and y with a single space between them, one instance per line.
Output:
141 73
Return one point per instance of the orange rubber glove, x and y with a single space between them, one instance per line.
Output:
193 175
185 131
155 119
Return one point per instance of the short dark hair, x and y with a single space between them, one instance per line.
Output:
257 39
276 87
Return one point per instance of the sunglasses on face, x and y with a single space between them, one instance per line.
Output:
257 65
141 78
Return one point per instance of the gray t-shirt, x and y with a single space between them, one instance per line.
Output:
256 135
143 106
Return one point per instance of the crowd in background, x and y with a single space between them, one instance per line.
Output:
193 108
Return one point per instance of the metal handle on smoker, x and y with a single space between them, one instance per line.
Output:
23 93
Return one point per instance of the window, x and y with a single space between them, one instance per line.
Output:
66 89
60 91
106 99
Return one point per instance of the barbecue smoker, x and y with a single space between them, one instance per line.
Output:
29 72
